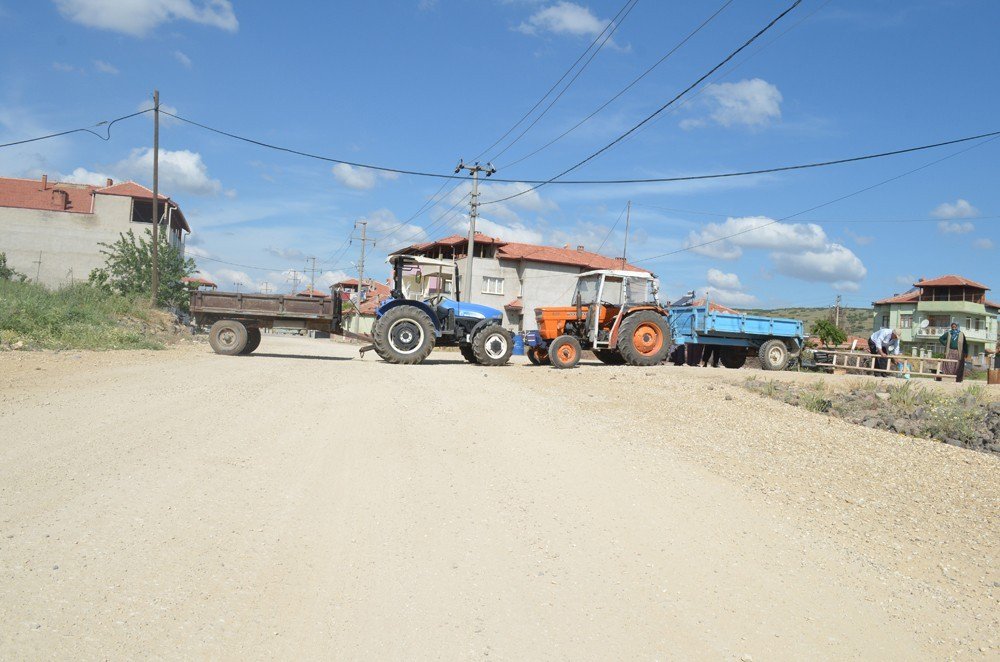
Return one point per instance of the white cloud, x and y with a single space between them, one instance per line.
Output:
722 280
983 243
727 240
956 227
834 264
139 17
959 209
183 59
84 176
360 179
517 232
285 253
730 297
181 171
106 67
564 18
195 251
754 103
64 67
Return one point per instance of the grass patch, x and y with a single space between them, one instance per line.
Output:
77 317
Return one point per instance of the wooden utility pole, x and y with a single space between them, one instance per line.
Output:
628 217
156 193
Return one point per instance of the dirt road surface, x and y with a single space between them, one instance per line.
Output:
304 504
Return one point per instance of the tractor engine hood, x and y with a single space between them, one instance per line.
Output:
471 310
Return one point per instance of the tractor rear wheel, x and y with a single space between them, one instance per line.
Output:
733 357
774 355
564 352
493 345
253 340
467 353
643 338
405 335
228 337
609 356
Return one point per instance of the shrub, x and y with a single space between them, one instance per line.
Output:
129 269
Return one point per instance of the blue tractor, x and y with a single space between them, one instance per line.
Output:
421 313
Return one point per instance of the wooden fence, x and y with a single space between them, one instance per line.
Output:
843 362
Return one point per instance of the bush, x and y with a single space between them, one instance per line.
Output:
129 269
75 317
8 273
828 333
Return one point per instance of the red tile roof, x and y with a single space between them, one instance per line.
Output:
715 307
514 304
991 304
951 280
308 292
201 282
569 256
907 297
29 194
131 190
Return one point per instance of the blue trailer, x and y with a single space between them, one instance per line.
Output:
774 340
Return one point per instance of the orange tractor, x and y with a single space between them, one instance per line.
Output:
614 313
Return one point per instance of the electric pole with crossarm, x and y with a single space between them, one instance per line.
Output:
473 214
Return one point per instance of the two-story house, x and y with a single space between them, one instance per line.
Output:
53 231
941 301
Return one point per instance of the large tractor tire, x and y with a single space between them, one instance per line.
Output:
228 337
538 356
609 356
774 355
493 345
564 352
404 335
733 357
253 340
467 353
644 338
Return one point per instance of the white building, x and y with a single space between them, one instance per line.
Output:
516 277
52 231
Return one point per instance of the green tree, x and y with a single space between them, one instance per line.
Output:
129 264
828 332
8 273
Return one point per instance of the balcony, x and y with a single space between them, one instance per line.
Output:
936 331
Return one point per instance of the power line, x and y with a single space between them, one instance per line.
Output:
608 235
625 89
89 130
661 108
817 220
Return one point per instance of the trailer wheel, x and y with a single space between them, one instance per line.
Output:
493 345
467 353
733 358
773 355
642 338
227 337
609 356
564 352
253 340
405 334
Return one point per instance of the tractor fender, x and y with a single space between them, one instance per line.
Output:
481 324
396 303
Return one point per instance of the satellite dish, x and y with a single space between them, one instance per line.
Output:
925 323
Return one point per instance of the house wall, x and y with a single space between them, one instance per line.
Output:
68 242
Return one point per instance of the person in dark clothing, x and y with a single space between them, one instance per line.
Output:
711 353
956 349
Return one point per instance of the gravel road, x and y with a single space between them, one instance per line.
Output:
302 504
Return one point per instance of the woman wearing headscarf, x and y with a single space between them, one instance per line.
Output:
955 349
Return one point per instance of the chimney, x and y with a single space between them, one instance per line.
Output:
580 248
111 182
45 181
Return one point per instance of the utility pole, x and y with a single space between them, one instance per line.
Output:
628 217
312 278
473 214
237 286
265 287
836 313
295 280
156 193
361 267
38 266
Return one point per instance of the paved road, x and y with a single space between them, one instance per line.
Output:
304 504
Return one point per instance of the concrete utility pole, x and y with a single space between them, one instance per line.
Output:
312 274
156 193
237 286
295 280
361 267
473 215
265 287
836 313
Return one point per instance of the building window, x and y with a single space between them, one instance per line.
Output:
885 320
492 285
906 321
142 211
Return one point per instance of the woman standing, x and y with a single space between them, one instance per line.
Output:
956 349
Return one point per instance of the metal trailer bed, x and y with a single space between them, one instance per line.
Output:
775 340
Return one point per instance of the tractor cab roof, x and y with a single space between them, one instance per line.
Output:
618 273
420 260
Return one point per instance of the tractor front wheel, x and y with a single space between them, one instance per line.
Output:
643 338
564 352
493 345
405 335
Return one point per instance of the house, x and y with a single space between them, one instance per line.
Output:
941 301
52 231
360 318
197 283
516 277
312 293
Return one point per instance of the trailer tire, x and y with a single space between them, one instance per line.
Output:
493 345
228 337
733 357
643 338
609 356
404 335
774 355
253 340
467 353
564 352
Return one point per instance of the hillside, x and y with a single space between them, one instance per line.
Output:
859 320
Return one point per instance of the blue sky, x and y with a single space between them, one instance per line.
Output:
418 84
